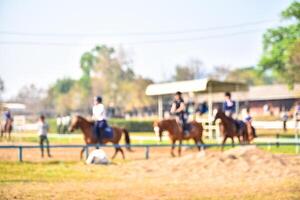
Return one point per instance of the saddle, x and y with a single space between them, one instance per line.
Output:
108 132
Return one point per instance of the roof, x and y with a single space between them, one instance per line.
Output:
14 106
260 93
278 91
197 86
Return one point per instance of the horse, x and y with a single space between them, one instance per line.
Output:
7 128
175 132
78 122
229 128
251 131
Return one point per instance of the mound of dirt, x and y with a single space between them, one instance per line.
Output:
239 162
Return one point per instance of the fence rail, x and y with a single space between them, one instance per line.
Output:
146 146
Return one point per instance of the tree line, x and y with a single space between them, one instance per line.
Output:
108 72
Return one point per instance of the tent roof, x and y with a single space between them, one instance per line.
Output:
198 86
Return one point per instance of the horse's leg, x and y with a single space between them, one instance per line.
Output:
81 153
197 143
232 141
116 151
122 152
223 142
173 147
179 147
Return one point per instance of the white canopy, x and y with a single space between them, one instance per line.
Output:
197 86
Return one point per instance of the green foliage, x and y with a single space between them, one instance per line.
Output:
281 48
1 85
191 70
250 75
130 125
63 86
133 125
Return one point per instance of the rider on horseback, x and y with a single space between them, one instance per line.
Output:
178 108
100 119
228 105
7 118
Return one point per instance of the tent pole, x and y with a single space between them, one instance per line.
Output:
160 107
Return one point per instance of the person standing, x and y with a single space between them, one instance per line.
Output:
59 124
284 117
229 107
297 115
178 108
99 117
43 129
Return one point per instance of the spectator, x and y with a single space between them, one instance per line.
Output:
284 118
65 123
203 108
297 114
43 129
59 124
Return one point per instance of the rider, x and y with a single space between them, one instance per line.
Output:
178 108
228 105
7 118
248 121
100 118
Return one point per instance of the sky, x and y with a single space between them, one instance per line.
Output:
41 41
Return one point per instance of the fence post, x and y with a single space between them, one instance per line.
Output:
147 152
20 154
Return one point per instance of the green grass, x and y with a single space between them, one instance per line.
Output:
10 172
31 137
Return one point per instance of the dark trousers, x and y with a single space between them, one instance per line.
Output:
183 121
98 130
284 126
43 139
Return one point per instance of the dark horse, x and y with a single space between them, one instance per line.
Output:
176 133
231 128
7 128
89 138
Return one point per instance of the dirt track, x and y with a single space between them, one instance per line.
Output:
239 173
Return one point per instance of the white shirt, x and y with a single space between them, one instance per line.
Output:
99 112
42 128
97 156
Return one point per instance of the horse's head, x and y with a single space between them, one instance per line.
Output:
74 123
219 114
158 129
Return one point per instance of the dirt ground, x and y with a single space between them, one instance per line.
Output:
239 173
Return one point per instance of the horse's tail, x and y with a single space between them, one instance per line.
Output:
127 139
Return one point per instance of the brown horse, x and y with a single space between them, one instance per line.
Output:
7 128
229 128
176 133
251 131
89 138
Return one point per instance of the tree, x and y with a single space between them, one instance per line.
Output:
281 48
1 86
249 75
32 97
220 72
192 70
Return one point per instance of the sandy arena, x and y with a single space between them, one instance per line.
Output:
239 173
